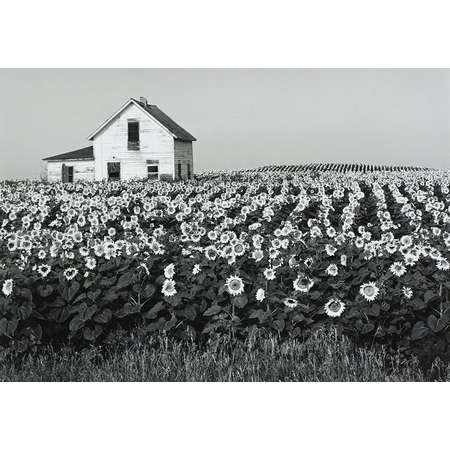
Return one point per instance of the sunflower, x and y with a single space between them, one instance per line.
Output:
235 285
211 252
369 291
239 249
43 270
257 255
407 292
260 295
78 236
227 251
91 263
273 253
410 259
330 249
332 270
169 271
334 307
293 262
254 226
70 273
308 262
303 283
212 235
290 302
12 245
406 241
398 269
99 250
443 264
145 268
84 251
269 273
8 287
168 288
315 232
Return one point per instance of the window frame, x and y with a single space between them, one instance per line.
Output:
133 145
153 164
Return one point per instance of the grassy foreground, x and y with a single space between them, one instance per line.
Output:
323 357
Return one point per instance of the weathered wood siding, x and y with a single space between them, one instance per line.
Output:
111 145
183 155
82 170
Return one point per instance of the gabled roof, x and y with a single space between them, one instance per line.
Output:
179 132
83 153
153 111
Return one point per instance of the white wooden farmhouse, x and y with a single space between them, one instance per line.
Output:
137 141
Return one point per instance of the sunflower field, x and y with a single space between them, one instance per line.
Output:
289 253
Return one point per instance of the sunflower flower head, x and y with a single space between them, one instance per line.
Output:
290 302
234 285
334 307
303 283
369 291
260 295
168 288
7 287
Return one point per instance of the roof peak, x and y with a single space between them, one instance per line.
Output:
141 102
155 112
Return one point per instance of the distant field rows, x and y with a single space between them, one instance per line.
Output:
342 168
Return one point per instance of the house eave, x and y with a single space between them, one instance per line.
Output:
66 159
185 140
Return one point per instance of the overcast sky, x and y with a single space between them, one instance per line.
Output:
240 117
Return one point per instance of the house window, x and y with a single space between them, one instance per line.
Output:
189 171
179 171
113 171
133 135
153 171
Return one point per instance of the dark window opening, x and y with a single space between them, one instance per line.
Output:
70 174
188 171
113 171
153 172
67 174
133 135
179 171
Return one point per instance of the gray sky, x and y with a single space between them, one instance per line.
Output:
241 117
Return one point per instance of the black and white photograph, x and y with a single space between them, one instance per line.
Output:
187 234
224 225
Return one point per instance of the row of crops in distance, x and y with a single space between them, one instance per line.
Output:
340 168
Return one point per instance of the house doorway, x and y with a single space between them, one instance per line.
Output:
113 171
67 174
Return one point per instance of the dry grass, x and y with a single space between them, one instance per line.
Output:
323 357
